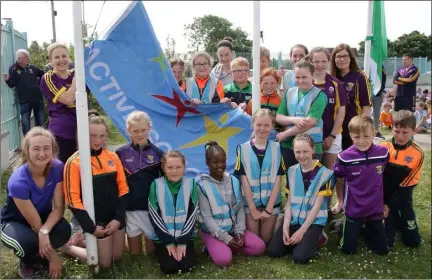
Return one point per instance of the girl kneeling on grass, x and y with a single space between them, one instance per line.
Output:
109 193
309 182
260 164
32 222
222 215
173 207
141 161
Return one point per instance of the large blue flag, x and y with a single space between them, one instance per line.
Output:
126 70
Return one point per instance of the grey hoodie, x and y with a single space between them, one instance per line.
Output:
226 78
206 215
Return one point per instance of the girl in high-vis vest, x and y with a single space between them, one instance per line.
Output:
202 87
173 207
222 215
260 165
309 182
301 111
297 53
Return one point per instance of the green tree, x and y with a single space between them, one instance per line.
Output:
38 54
170 47
416 43
205 32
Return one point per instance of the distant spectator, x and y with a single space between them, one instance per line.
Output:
406 81
421 116
419 92
25 78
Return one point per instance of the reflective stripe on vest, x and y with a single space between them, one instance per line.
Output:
262 180
209 91
301 108
223 213
301 203
174 216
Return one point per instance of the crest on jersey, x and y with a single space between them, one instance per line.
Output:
408 159
331 89
150 158
110 163
350 86
379 169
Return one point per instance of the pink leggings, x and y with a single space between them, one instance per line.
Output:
221 253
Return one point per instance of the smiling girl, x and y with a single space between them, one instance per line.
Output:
32 222
222 70
309 183
260 165
222 215
173 207
109 191
297 53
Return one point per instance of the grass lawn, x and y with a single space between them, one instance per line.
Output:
401 262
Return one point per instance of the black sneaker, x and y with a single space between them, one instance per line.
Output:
379 135
27 271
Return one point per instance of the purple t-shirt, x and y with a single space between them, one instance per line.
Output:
337 97
308 178
63 121
21 185
358 93
363 174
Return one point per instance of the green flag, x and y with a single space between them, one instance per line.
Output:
378 49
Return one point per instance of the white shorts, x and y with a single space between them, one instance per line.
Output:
138 222
336 147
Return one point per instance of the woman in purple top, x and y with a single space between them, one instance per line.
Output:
59 87
344 67
32 222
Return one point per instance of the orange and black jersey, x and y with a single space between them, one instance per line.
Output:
404 166
109 189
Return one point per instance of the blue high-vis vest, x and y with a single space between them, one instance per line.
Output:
173 215
301 202
209 91
300 108
262 180
223 212
289 80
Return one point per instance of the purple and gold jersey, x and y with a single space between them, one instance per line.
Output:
63 121
406 79
337 97
358 92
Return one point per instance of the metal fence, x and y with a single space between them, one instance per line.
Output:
11 41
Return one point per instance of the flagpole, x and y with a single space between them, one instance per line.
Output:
367 53
83 130
256 88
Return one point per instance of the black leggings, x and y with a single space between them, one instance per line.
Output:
303 251
19 237
169 265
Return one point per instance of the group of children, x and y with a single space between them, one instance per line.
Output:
142 193
422 112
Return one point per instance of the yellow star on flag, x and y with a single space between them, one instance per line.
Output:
160 59
215 133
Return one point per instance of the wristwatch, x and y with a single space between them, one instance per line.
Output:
44 231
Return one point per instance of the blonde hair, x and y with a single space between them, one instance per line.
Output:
54 46
264 52
306 138
137 116
172 154
360 124
320 49
25 146
94 118
262 113
239 61
205 55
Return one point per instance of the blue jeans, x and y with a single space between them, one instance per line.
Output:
25 111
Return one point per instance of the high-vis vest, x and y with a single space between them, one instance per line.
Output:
301 202
300 108
262 180
193 91
288 80
174 215
223 213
